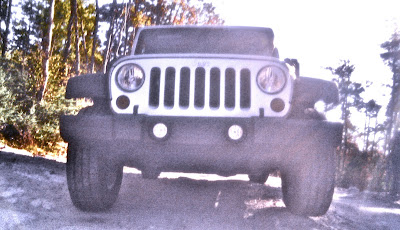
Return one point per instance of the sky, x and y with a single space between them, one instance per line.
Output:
322 33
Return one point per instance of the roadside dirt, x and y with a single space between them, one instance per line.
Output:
34 195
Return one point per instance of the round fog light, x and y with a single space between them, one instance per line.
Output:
123 102
235 132
277 105
160 130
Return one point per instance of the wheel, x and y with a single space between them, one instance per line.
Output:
93 182
308 185
258 178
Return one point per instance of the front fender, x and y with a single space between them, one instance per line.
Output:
87 86
308 91
311 90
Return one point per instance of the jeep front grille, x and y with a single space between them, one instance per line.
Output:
215 89
198 86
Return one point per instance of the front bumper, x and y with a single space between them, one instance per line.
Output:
200 144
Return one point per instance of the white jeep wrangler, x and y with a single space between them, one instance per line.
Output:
206 100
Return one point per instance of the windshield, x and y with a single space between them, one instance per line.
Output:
206 40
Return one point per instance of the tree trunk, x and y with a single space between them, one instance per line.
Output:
84 45
345 118
110 38
96 23
5 35
69 34
135 28
375 132
46 51
122 31
158 12
128 24
77 40
368 133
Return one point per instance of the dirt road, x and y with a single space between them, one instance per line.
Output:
34 195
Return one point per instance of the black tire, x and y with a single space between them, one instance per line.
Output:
93 182
258 178
308 185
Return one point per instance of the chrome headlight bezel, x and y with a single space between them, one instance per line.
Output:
130 77
271 79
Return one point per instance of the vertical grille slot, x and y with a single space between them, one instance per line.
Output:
230 84
245 90
215 84
169 90
154 95
184 87
200 77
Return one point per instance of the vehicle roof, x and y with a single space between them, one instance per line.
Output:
265 30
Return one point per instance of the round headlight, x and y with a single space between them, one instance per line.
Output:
271 79
130 77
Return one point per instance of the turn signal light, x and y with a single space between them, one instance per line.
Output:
277 105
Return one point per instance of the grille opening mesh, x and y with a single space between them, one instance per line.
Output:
184 88
199 87
245 89
154 95
215 86
169 92
230 84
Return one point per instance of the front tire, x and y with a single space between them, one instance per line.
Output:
93 181
308 185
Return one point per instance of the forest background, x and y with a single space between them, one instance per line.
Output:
44 43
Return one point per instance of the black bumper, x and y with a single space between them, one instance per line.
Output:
200 144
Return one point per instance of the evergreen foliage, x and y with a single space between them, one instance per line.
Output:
31 121
77 47
357 167
392 58
36 123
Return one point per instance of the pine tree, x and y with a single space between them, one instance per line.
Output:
5 19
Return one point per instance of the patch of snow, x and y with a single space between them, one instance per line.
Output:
201 176
12 200
381 210
55 178
13 220
3 181
339 194
36 203
32 176
10 192
273 181
353 190
261 204
61 159
16 151
131 170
